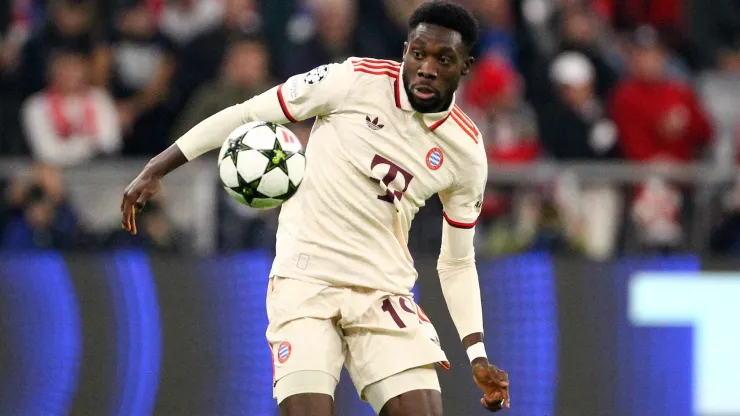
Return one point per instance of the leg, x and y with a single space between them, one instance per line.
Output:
413 392
414 403
307 404
307 349
306 393
392 351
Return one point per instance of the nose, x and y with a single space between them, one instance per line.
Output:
428 69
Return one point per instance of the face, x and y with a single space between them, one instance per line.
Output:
246 63
434 59
238 12
648 64
137 22
336 21
579 29
576 95
69 73
71 20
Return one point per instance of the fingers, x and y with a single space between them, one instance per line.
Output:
492 406
128 208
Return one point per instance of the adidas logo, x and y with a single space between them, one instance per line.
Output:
373 124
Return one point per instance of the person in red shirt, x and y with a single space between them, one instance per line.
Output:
658 119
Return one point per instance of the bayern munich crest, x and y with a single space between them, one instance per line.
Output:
435 157
283 351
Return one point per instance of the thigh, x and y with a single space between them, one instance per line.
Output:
309 404
409 393
386 335
306 393
302 331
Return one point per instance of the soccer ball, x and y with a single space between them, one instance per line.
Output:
261 164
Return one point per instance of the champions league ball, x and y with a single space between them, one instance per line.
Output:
261 164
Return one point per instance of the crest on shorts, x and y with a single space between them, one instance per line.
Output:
316 75
283 351
435 157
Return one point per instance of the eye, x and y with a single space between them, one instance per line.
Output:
417 54
445 60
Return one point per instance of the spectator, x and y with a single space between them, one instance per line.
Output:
332 37
18 19
497 30
70 122
494 100
203 56
659 121
69 28
142 62
657 118
579 33
244 75
182 20
574 127
574 124
42 218
720 92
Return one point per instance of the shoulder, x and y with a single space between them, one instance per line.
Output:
101 97
464 145
356 74
374 68
34 102
463 130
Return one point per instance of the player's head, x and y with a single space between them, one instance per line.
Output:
437 53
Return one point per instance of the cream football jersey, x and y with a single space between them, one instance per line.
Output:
372 162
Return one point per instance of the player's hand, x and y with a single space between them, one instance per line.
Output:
137 193
494 383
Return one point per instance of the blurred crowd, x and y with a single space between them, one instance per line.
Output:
648 81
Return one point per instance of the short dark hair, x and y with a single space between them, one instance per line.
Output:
449 15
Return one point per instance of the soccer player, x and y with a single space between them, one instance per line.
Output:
387 137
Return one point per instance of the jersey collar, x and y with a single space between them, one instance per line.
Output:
432 120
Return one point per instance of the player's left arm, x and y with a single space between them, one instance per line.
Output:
459 279
319 92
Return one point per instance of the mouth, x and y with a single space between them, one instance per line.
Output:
424 92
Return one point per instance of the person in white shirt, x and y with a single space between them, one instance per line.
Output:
387 137
70 122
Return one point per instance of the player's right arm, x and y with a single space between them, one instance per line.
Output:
459 277
316 93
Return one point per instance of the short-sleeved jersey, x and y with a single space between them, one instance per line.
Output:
372 162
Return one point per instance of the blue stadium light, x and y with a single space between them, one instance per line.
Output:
138 334
40 335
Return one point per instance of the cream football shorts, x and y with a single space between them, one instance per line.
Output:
386 341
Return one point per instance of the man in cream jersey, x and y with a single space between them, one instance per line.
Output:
387 137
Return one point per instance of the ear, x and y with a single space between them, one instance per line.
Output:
467 65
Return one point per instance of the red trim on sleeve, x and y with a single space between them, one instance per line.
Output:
283 106
467 119
456 224
463 126
378 72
